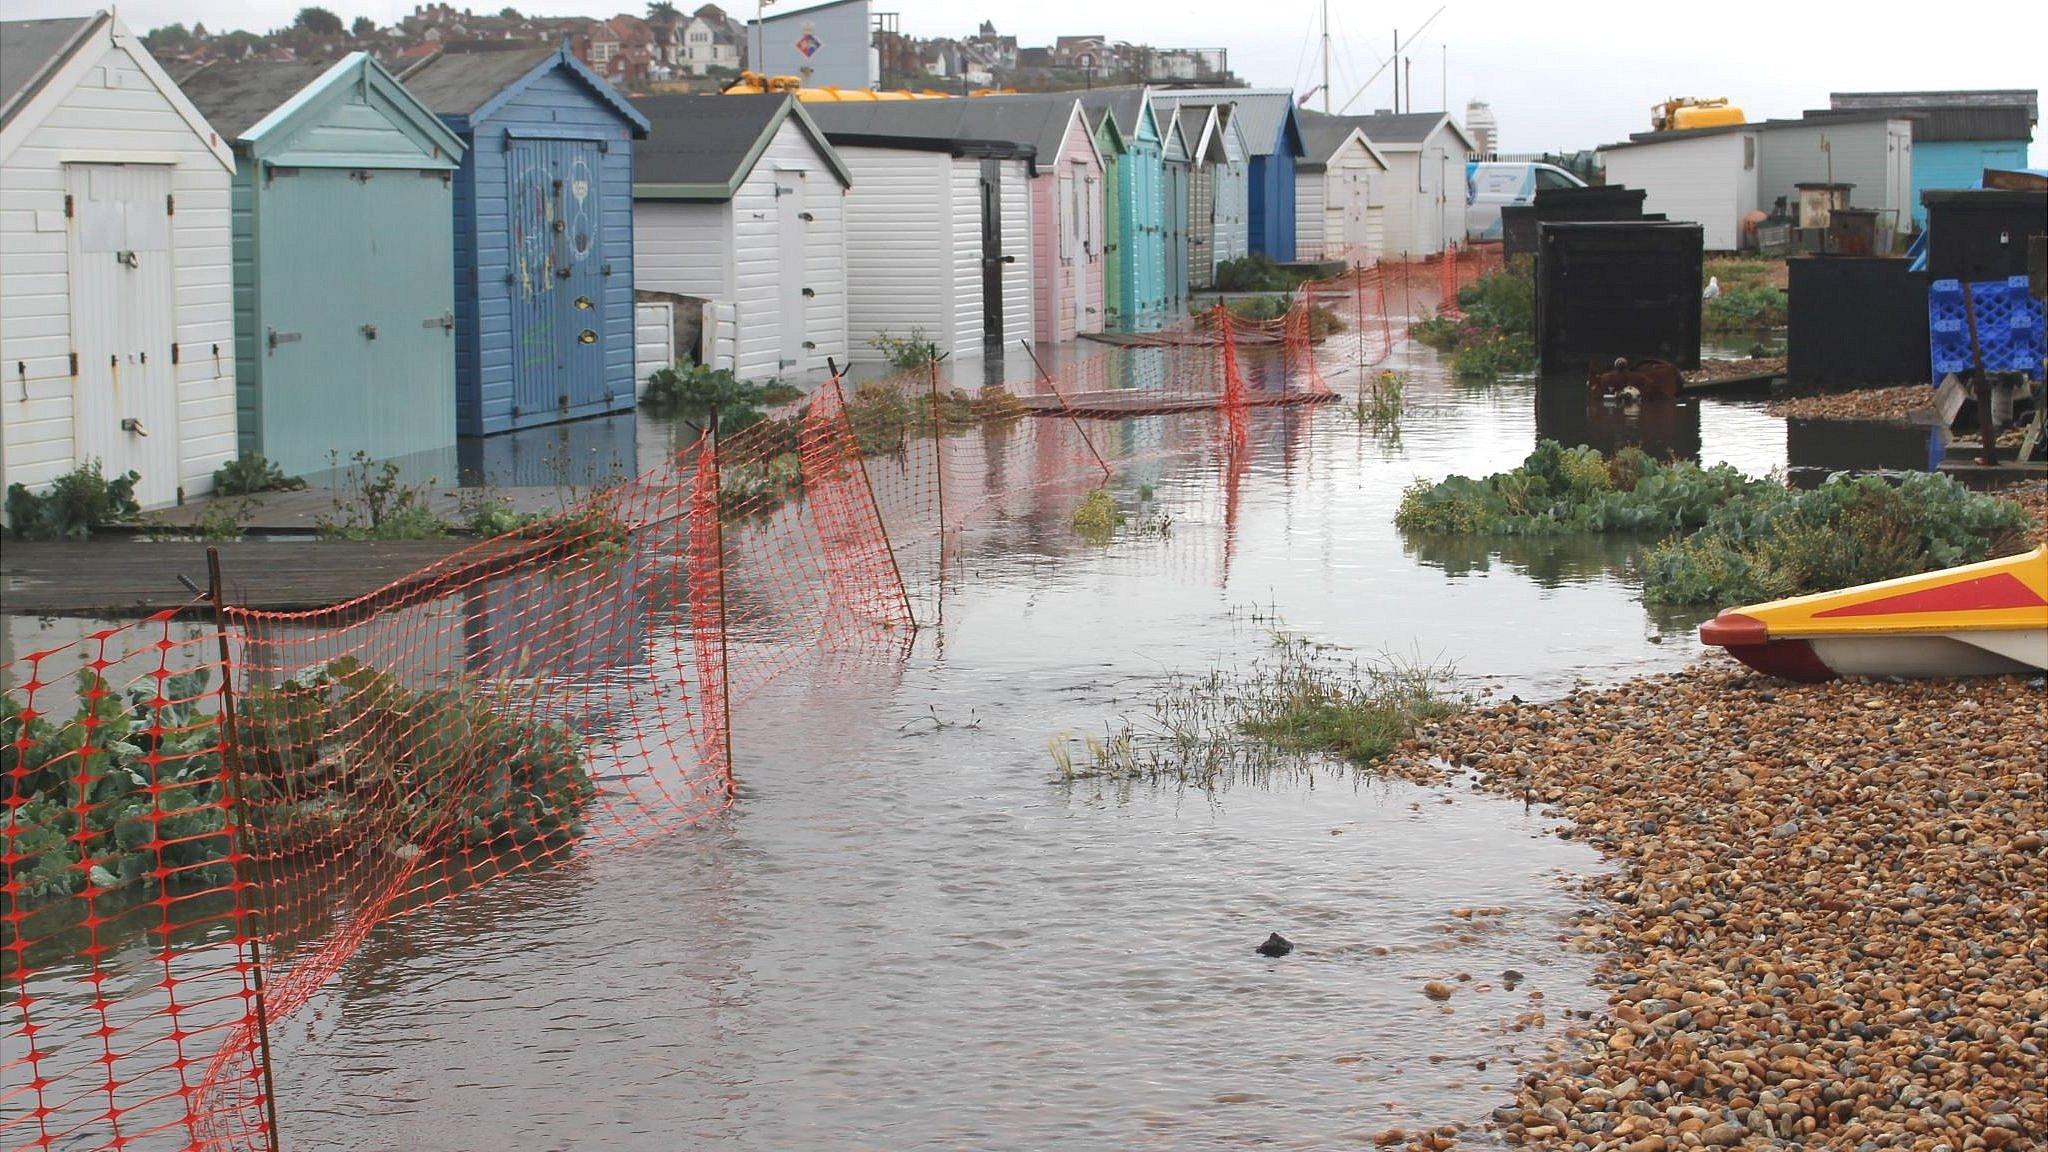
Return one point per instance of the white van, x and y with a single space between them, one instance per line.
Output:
1492 183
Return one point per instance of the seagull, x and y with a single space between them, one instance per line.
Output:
1712 289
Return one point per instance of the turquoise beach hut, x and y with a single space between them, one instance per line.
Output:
1138 298
543 220
343 263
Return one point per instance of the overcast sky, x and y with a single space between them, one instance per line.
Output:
1559 76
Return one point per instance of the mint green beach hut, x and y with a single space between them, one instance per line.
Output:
1137 290
343 263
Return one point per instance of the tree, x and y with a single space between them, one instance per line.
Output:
662 12
318 22
363 29
169 38
510 14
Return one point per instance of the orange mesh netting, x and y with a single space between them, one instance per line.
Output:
208 811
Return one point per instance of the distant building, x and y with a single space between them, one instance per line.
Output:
1482 127
711 39
829 45
1956 134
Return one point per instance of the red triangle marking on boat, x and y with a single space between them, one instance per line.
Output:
2000 590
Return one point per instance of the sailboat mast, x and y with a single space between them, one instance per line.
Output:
1326 57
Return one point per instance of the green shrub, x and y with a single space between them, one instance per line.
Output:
1560 489
1254 273
1097 518
250 474
74 504
907 354
1496 333
1743 307
371 503
692 391
1851 530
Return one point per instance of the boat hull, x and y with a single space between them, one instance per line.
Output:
1985 619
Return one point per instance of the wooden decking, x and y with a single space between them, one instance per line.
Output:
290 513
122 578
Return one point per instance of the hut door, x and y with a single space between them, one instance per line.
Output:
558 338
992 258
789 222
124 396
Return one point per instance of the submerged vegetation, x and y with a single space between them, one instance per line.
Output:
693 392
73 505
1322 320
1382 405
251 473
127 793
1733 538
1097 518
1254 273
1302 702
1496 335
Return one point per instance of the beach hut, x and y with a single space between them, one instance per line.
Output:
740 202
1272 138
1177 163
1338 186
344 263
938 225
1137 245
1229 184
1426 154
1066 205
118 344
543 218
1201 126
1956 134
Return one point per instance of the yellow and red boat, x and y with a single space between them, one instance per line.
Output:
1983 619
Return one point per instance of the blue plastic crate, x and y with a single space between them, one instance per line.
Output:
2010 330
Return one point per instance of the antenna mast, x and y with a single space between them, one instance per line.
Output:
1326 57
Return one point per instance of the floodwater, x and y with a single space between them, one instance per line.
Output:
909 933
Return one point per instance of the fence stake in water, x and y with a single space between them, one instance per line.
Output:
724 633
860 461
1068 408
231 781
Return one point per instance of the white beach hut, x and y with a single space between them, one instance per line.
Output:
116 292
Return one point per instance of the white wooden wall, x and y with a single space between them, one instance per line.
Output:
901 246
757 272
963 313
1018 289
1311 190
654 343
1709 180
103 106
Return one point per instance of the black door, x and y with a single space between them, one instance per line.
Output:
992 259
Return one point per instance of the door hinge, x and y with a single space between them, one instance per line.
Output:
67 206
445 321
174 352
74 355
604 146
170 204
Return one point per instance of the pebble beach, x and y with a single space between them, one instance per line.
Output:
1828 923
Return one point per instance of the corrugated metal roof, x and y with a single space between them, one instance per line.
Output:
1260 111
233 95
2027 98
459 83
1389 127
30 50
1936 124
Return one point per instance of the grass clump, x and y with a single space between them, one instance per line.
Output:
73 505
1851 530
1496 333
1301 704
1384 403
907 353
1097 517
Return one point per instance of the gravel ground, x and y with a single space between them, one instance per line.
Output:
1899 404
2034 498
1829 928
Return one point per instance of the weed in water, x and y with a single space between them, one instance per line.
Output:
906 354
1383 405
1301 705
1097 518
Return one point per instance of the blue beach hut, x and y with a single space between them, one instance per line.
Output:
543 234
1272 136
342 263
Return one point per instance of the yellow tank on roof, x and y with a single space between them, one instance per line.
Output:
754 84
1681 113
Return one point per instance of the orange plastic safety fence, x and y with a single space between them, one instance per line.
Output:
567 687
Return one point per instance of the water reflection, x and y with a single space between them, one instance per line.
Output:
1566 413
1816 449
